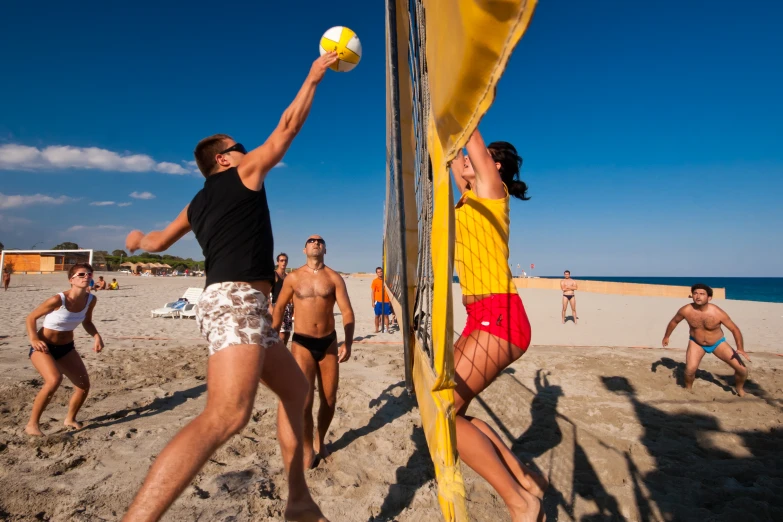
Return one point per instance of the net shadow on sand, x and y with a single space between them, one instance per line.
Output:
159 405
688 475
693 479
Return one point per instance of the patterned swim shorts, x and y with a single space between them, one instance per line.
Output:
229 314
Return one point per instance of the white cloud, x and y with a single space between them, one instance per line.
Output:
102 203
22 157
142 195
126 204
7 201
11 220
77 228
280 165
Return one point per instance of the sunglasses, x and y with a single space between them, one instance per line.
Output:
315 240
83 274
238 147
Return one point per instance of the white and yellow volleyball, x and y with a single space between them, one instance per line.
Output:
347 45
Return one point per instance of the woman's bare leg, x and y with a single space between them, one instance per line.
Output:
72 366
479 359
52 377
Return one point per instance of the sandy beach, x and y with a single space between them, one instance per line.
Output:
594 406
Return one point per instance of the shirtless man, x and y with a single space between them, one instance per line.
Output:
6 278
100 284
568 286
315 289
705 320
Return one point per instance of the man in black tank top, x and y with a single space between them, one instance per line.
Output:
287 324
230 219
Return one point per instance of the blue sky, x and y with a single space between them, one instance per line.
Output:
651 137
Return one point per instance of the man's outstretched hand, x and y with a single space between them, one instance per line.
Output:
133 241
320 65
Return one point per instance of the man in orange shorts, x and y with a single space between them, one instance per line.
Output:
381 302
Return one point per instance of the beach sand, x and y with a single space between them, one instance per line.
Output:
606 422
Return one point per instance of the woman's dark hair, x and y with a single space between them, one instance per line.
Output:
510 162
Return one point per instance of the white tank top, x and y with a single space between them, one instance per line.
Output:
62 320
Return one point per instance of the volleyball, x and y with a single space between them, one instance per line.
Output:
346 44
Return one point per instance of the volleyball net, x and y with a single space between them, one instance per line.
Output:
441 76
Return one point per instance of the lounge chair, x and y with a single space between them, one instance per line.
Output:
189 311
174 308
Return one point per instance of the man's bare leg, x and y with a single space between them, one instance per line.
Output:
693 357
284 377
328 380
565 307
573 309
726 353
309 368
377 323
232 380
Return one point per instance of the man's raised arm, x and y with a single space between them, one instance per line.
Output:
258 162
159 240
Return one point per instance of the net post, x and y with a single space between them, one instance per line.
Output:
396 167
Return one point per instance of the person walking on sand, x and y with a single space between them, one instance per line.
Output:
52 349
706 336
6 278
230 219
315 289
569 287
497 331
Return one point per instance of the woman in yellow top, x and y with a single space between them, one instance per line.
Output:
497 332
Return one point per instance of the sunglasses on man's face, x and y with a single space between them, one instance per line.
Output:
316 240
238 147
83 274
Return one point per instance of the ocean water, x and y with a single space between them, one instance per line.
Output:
765 289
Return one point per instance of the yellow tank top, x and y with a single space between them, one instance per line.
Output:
481 249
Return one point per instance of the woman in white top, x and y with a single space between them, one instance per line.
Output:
51 348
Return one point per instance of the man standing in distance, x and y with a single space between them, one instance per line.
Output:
230 219
706 336
380 300
287 325
569 287
315 288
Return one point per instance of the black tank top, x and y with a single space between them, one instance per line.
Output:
232 225
277 287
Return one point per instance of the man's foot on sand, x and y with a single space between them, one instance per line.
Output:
304 511
73 424
34 431
310 459
323 452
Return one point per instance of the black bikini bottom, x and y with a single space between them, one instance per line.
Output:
317 346
57 351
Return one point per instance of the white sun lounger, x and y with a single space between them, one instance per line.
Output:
189 311
175 308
